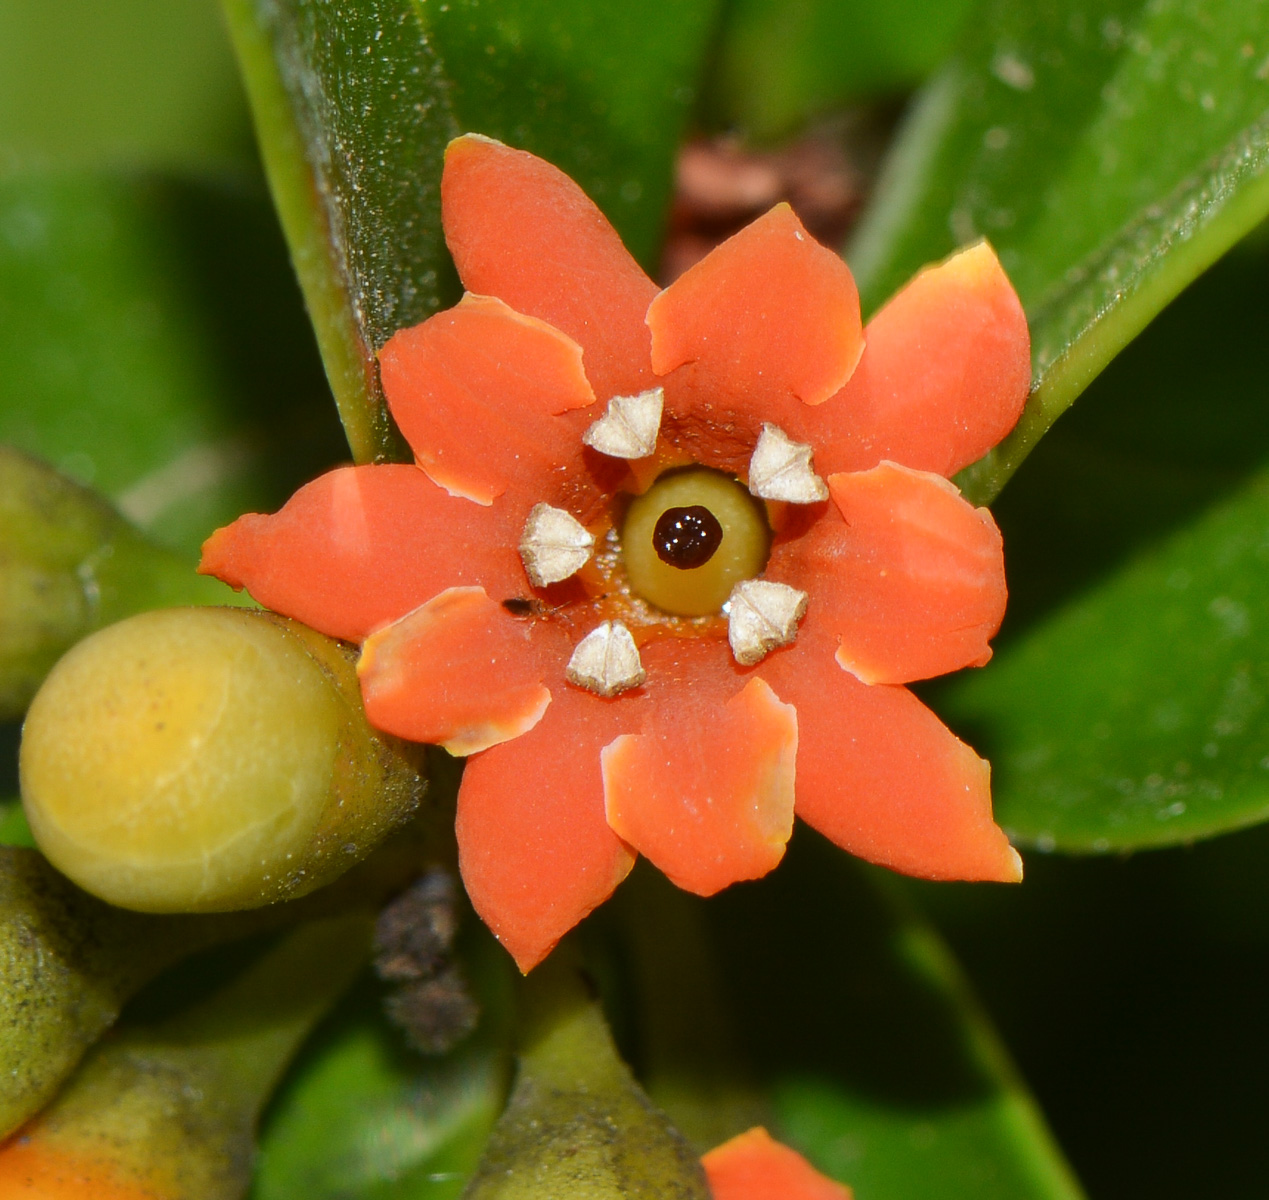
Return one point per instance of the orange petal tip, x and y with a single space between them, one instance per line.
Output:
770 308
717 811
754 1166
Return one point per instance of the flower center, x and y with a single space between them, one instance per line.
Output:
690 538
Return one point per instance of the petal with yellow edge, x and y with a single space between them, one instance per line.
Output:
768 315
907 574
706 791
943 378
459 672
477 391
522 230
881 776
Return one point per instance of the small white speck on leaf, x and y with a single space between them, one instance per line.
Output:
1013 71
780 469
762 615
630 426
606 661
554 545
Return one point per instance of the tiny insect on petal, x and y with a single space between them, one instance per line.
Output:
458 671
629 428
762 615
555 545
606 661
780 469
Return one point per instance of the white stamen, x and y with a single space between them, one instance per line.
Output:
780 469
554 545
606 661
629 428
762 615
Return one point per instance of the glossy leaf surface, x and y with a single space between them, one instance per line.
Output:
1110 150
840 1020
1126 704
354 103
361 1115
152 347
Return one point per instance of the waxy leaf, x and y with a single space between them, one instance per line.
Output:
1137 716
842 1022
360 1115
1111 150
355 102
1125 706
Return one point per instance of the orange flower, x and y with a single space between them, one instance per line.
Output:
497 601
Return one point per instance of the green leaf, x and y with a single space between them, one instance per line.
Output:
1137 716
1133 714
780 64
151 345
14 831
354 105
136 82
1111 150
360 1115
839 1011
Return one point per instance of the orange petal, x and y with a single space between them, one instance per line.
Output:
362 546
907 574
35 1167
706 792
944 377
522 230
754 1166
882 776
477 389
535 851
770 314
458 671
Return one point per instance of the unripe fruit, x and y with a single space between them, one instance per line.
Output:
68 565
202 760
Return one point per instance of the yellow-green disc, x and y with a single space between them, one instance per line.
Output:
742 553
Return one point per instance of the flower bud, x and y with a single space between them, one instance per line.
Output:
577 1126
208 759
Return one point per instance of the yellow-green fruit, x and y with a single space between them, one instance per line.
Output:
737 549
199 760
